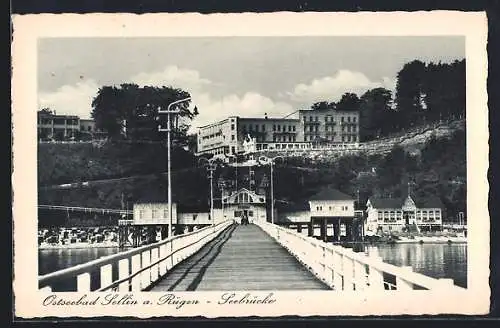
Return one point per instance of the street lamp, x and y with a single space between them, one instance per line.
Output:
222 184
211 167
168 130
271 161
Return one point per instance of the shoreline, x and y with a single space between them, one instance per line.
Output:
77 246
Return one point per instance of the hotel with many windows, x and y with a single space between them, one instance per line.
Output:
394 214
309 129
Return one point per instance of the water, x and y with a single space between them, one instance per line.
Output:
434 260
50 260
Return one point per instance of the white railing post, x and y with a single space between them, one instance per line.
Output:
341 271
154 268
360 275
401 282
123 272
83 282
136 266
330 267
375 276
146 274
323 261
163 263
106 275
46 289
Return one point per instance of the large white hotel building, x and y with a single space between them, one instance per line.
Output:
328 127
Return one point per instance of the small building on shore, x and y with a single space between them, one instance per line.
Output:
333 211
410 213
244 202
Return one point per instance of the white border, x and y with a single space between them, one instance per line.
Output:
473 26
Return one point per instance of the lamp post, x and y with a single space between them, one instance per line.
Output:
169 178
267 160
211 167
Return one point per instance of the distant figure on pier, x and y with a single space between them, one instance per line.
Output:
244 219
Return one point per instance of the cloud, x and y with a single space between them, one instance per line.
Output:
212 108
71 99
186 79
77 99
331 88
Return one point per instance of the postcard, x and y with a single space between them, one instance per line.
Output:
237 165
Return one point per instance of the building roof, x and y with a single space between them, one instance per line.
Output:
293 207
420 202
330 194
386 202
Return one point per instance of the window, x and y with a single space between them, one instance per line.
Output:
354 138
165 213
89 128
316 128
342 119
153 213
256 128
329 208
232 126
244 128
141 214
289 128
315 119
354 119
348 119
232 137
250 213
354 129
274 127
194 216
279 128
293 128
263 128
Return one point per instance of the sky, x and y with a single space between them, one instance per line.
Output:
244 76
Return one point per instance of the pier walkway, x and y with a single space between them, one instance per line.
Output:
228 256
241 258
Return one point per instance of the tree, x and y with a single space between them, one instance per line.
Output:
375 113
348 102
410 96
323 105
134 109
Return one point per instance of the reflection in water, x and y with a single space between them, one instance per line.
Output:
50 260
434 260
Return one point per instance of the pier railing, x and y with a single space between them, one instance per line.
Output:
135 269
343 269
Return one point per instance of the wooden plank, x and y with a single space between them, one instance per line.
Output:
241 258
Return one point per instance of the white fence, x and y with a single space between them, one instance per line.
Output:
343 269
137 268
